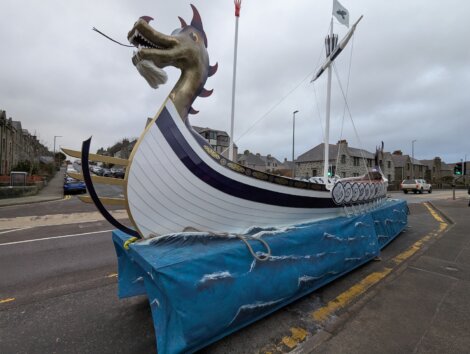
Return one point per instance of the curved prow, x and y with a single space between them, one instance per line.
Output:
94 196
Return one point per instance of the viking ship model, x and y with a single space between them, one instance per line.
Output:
175 181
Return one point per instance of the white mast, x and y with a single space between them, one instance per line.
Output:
333 49
329 49
238 4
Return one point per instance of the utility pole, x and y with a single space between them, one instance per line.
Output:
55 162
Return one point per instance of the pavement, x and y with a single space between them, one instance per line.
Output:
53 191
423 307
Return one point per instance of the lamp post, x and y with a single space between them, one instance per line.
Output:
464 171
293 142
55 162
412 158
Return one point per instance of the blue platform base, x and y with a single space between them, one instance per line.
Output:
203 287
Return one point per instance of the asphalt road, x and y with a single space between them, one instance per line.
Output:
58 290
435 195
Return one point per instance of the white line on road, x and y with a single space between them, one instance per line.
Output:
54 237
13 230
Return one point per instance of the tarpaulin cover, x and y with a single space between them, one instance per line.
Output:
202 287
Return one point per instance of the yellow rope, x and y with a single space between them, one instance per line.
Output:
129 241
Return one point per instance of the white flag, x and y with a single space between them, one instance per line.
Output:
341 13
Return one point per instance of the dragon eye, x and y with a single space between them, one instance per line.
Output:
193 36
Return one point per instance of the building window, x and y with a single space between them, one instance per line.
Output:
314 173
389 164
355 174
389 177
343 159
407 166
356 161
212 135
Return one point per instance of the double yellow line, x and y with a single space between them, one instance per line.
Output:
362 286
344 299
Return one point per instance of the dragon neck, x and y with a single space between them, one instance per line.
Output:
186 90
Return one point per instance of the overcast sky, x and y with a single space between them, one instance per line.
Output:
410 72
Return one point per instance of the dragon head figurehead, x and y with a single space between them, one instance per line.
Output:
185 49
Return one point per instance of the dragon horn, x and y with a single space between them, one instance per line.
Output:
196 22
213 69
192 111
205 93
183 22
146 18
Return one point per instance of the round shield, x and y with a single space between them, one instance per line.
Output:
338 193
366 192
361 192
347 192
355 192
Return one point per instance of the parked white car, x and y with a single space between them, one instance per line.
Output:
415 186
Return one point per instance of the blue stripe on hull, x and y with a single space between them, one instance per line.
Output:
227 185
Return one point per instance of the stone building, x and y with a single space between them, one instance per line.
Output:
344 161
407 167
264 163
253 161
436 169
17 144
219 140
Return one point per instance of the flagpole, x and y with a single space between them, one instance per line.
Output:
238 4
328 107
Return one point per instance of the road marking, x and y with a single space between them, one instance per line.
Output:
297 335
4 301
13 230
349 295
434 214
112 275
54 237
362 286
57 219
67 197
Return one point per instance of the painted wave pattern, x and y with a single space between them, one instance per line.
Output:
249 308
291 258
215 276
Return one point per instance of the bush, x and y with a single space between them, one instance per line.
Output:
26 166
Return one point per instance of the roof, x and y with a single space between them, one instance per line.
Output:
202 130
446 167
428 163
17 125
251 159
400 160
270 158
317 153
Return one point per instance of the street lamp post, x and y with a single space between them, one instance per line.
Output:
293 142
55 162
464 171
412 158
